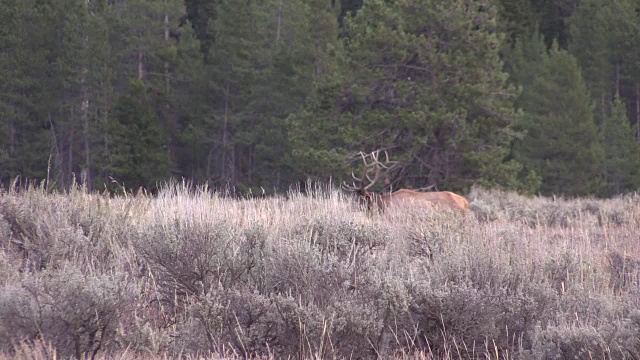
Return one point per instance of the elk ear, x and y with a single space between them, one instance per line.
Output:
387 181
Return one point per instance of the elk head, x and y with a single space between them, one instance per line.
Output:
372 171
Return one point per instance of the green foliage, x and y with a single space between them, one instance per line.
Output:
590 46
202 16
400 86
526 59
24 128
561 142
188 96
258 73
552 19
139 158
622 154
261 94
604 40
517 19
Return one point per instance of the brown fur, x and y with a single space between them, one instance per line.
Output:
404 197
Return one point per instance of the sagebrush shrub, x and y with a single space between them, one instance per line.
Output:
252 324
189 258
192 272
77 313
48 229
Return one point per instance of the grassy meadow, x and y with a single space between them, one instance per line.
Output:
194 274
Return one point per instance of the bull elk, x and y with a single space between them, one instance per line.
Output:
402 197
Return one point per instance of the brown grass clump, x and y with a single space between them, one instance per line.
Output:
194 274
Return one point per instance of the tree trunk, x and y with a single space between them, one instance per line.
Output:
85 176
618 79
58 157
104 160
12 138
140 65
250 164
603 108
86 169
166 40
171 122
226 153
68 177
638 111
279 23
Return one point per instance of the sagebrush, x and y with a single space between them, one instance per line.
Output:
198 274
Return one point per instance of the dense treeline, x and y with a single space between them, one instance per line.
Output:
532 95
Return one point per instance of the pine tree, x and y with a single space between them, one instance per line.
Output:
408 84
517 19
606 42
190 97
289 48
349 8
589 28
25 136
525 59
561 143
141 38
236 63
552 19
69 109
202 16
99 89
621 166
260 70
139 156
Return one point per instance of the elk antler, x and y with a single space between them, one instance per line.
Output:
374 166
353 187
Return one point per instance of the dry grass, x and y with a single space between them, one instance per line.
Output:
192 272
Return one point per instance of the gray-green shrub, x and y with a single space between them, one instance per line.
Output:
191 272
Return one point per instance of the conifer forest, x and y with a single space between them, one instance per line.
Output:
536 96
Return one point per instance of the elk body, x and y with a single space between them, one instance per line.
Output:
429 199
400 198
